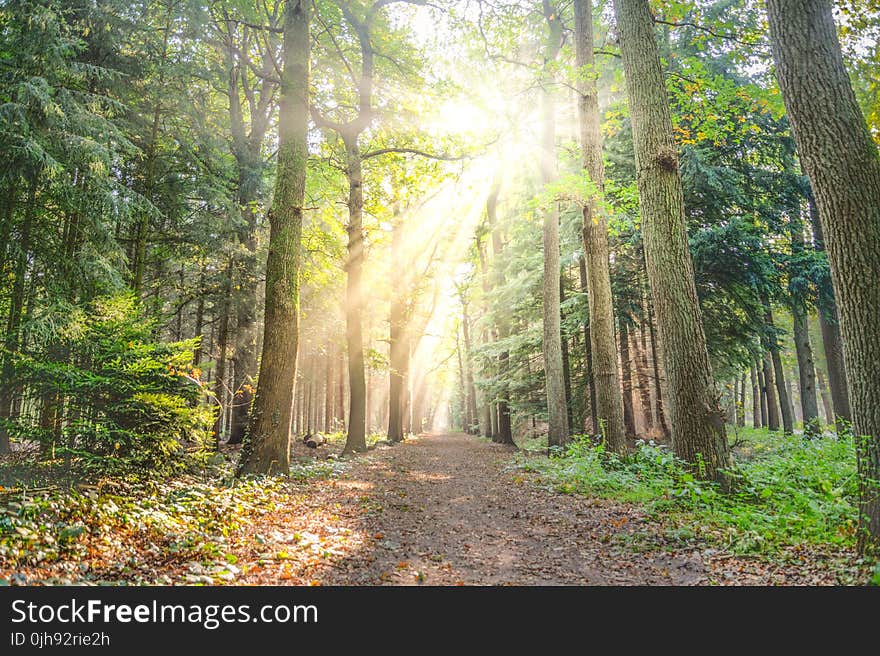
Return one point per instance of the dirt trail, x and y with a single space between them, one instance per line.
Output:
447 509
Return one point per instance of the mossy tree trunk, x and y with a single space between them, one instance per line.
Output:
267 449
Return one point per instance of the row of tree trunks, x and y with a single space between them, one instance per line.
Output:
317 405
14 318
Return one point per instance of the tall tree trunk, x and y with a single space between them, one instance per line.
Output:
268 435
199 321
826 399
250 169
842 162
504 432
468 370
770 392
245 350
566 362
698 435
309 382
626 379
356 440
328 388
829 327
778 373
592 425
302 394
608 410
12 341
340 392
658 377
142 228
756 398
463 410
487 415
220 384
741 405
557 412
398 349
762 392
801 331
806 369
641 366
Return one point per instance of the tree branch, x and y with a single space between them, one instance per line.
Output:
413 151
711 32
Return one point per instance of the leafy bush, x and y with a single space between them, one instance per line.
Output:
114 398
789 489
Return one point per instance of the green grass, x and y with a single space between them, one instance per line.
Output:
338 438
789 490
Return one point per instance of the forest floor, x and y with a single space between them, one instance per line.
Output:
453 509
447 509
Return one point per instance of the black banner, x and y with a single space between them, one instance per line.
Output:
239 619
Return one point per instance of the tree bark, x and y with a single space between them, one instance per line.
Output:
592 425
757 417
504 432
698 435
801 331
268 437
557 412
468 369
199 321
142 228
842 162
826 399
609 405
658 377
829 327
356 440
340 391
328 389
626 379
398 349
566 362
641 365
778 374
220 384
12 341
769 389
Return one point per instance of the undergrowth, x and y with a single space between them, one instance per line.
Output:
789 490
184 518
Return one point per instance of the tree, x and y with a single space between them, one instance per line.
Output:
843 166
248 68
695 417
557 412
268 435
608 413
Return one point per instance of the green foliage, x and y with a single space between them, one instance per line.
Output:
789 490
133 405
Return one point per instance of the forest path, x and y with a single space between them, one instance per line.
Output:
448 509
